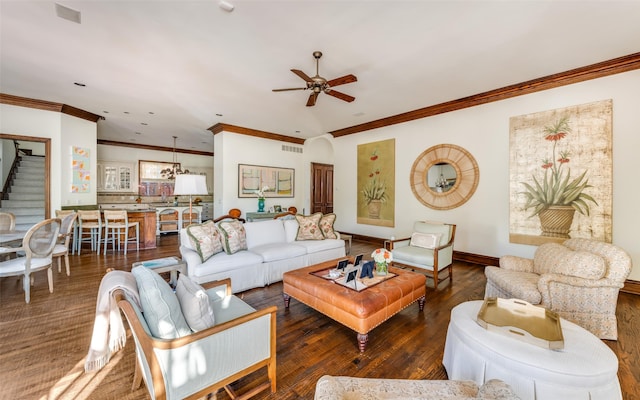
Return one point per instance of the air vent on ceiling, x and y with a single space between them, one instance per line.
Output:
67 13
293 149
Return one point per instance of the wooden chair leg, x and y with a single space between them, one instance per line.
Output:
50 278
66 263
137 376
59 264
435 277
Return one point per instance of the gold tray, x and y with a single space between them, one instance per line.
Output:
521 320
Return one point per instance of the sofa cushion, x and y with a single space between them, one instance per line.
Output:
521 285
223 262
160 306
413 255
309 227
278 251
425 240
326 226
496 389
290 229
314 246
205 239
555 258
234 237
264 232
194 304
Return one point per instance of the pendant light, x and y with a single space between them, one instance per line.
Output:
170 173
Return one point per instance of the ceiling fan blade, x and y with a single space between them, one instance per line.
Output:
340 95
342 80
312 99
284 90
302 75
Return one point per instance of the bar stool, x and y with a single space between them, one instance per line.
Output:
116 223
90 224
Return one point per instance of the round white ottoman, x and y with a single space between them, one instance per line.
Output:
585 369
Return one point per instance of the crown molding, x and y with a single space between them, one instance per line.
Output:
593 71
151 147
48 106
219 127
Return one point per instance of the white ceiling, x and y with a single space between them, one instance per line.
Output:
188 61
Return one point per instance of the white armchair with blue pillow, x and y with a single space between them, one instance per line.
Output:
197 340
430 249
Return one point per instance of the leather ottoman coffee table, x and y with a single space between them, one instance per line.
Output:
361 311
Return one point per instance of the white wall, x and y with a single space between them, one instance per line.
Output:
483 222
233 149
192 162
64 131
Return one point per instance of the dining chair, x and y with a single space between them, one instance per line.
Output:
74 233
62 245
7 221
37 245
116 224
91 225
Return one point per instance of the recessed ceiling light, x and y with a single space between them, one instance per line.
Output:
143 123
126 112
106 112
79 84
228 7
151 112
138 133
297 131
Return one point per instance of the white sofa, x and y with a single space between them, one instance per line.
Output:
272 250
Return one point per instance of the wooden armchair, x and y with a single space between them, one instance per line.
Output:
242 341
430 249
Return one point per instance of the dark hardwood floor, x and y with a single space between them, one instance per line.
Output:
43 344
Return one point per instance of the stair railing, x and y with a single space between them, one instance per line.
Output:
12 173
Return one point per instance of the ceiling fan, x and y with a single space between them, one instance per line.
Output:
318 84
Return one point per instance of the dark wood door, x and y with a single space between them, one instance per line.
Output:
321 188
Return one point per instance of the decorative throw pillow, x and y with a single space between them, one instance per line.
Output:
205 239
309 227
194 303
326 226
234 237
160 305
425 240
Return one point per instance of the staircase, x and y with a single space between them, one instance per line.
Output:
25 198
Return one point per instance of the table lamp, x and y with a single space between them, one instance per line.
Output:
190 184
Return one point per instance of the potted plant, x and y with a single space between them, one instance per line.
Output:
556 197
374 193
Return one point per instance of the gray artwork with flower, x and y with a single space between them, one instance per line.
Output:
561 174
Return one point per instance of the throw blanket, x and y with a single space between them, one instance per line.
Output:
109 335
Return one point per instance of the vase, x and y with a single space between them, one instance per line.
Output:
260 205
374 209
555 221
382 268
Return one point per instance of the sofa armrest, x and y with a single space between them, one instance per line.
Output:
572 284
514 263
191 257
220 288
398 243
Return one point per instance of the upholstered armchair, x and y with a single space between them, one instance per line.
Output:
578 279
241 342
430 248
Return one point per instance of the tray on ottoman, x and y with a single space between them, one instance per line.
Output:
521 320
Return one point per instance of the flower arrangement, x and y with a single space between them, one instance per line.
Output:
382 258
556 187
260 193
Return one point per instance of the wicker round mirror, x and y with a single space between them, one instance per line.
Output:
460 185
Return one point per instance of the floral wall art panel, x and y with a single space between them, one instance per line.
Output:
376 183
80 172
561 174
